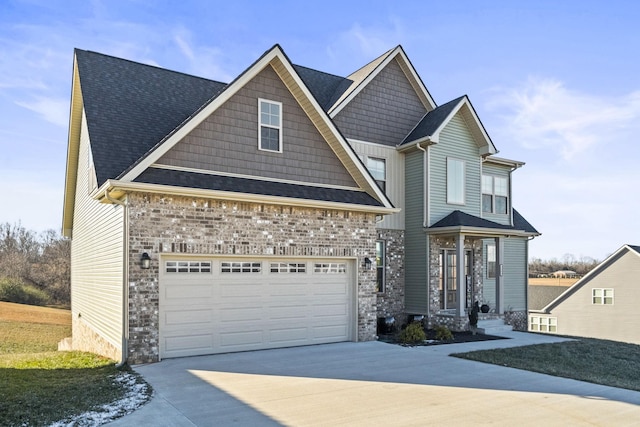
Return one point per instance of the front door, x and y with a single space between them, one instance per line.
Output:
448 282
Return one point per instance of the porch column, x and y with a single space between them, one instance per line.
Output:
461 287
499 275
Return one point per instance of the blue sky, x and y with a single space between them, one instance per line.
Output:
556 84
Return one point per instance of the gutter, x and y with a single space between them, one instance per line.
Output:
125 277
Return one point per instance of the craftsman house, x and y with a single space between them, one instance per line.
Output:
603 304
288 207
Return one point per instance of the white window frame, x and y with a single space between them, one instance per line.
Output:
493 194
330 267
491 259
269 124
456 172
187 266
381 261
600 296
375 173
287 267
547 325
240 267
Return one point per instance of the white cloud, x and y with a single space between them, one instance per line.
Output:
55 111
204 61
545 114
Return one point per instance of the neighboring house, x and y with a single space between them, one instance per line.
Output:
541 295
564 273
288 207
603 304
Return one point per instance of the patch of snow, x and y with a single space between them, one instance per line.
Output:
137 394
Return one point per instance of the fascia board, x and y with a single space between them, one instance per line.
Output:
503 161
477 231
586 278
118 189
73 151
416 77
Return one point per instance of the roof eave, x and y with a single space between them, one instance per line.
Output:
118 189
478 231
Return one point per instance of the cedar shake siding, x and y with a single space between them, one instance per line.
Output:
227 141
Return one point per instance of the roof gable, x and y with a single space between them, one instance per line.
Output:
433 123
597 270
131 106
363 76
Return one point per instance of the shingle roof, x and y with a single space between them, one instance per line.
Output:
635 248
431 121
254 186
325 87
540 296
461 219
130 107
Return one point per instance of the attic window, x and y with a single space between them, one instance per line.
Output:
270 125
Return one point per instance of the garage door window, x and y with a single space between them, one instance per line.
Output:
330 267
288 267
188 267
240 267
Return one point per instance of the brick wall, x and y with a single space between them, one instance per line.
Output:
391 301
183 225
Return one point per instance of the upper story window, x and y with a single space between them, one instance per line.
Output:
270 121
455 181
602 296
378 169
495 194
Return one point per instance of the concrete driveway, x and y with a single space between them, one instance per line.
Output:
370 384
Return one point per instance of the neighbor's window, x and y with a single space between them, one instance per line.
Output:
377 168
602 296
543 324
494 194
270 132
491 261
455 181
380 261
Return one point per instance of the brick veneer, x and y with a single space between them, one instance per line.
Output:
190 225
391 301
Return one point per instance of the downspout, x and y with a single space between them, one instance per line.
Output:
125 277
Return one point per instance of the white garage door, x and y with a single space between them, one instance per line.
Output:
212 305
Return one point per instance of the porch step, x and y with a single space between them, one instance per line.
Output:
493 327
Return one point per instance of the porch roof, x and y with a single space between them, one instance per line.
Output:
461 222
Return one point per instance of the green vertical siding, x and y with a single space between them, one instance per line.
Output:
457 142
416 297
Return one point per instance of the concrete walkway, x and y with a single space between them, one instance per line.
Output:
370 384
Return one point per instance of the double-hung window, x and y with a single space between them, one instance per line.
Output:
377 168
455 181
270 124
495 193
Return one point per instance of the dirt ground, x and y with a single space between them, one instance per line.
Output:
552 281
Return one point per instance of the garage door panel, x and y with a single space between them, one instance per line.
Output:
241 339
241 314
200 290
291 336
267 307
190 317
189 343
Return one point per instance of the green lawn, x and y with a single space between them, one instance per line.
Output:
39 385
603 362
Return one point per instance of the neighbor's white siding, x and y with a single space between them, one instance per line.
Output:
394 178
96 261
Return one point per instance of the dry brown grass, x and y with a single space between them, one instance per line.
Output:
552 281
33 314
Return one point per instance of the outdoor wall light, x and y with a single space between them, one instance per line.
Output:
368 264
145 261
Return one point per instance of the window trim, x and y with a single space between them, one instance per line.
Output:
450 187
383 187
381 261
494 261
603 296
543 324
268 125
